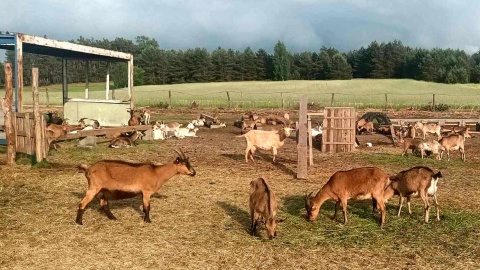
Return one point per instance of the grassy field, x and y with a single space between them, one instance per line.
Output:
202 222
360 93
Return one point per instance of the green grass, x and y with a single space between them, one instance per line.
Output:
360 93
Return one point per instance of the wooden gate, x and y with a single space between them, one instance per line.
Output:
338 129
24 124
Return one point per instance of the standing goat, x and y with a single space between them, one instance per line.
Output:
263 204
360 183
116 179
266 140
454 142
418 181
429 128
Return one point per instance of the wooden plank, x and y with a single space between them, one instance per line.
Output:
302 170
28 138
73 47
106 130
36 112
315 114
7 103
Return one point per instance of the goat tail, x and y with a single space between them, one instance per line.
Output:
83 167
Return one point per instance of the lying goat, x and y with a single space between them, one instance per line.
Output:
189 131
159 133
263 205
248 124
361 183
54 132
418 181
126 141
86 122
266 140
116 179
429 128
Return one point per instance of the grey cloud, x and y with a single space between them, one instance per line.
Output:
300 24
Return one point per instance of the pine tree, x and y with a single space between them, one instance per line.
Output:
281 62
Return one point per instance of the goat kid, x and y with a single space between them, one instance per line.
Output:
116 179
263 205
454 142
418 181
360 183
189 131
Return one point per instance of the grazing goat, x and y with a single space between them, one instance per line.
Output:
263 205
265 140
429 128
431 146
418 181
115 179
454 142
360 183
126 141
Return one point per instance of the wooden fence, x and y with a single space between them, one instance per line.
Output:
24 124
338 133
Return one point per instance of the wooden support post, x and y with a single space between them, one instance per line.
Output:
433 103
36 112
310 140
65 80
107 83
130 82
170 98
19 74
87 83
7 102
228 99
333 99
283 101
302 170
394 137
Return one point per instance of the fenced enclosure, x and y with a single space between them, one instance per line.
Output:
360 94
338 130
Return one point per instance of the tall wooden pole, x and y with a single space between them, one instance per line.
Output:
130 82
64 80
107 86
87 83
19 74
8 115
36 112
302 170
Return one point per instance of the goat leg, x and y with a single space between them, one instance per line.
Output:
104 207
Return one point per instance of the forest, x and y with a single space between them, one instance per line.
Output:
154 65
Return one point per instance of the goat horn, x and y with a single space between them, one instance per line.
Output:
181 155
184 156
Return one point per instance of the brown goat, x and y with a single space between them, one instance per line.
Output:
115 179
417 181
135 117
126 141
454 142
53 132
360 183
263 204
429 128
248 124
266 140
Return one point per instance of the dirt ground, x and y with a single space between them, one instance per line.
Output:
202 222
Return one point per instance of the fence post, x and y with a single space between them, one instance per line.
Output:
228 99
333 98
302 170
386 101
283 101
48 97
36 112
170 98
9 115
433 103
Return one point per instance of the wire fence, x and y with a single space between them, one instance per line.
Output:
258 99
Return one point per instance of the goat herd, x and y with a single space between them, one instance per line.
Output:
113 180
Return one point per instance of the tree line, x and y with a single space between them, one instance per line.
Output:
154 65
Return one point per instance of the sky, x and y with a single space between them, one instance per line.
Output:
302 25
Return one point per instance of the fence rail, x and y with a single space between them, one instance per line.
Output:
283 99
